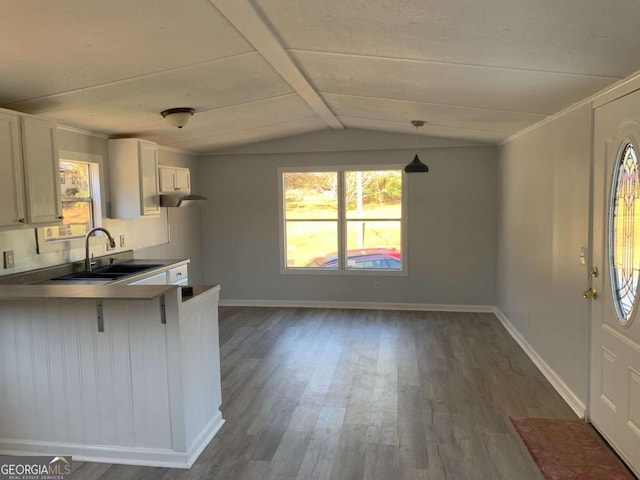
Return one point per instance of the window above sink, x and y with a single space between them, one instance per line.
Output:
81 203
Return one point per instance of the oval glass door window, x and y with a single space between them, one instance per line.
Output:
624 233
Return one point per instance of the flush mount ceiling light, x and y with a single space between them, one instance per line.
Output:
178 117
416 166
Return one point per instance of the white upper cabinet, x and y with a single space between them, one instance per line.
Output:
149 178
12 198
29 171
41 170
174 180
133 178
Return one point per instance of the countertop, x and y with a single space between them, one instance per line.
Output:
121 292
164 265
125 292
38 284
44 275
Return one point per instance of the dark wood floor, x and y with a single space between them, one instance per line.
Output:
355 394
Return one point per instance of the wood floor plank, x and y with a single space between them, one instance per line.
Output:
319 456
289 456
508 456
349 462
319 394
381 462
89 470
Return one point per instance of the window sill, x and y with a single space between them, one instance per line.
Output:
355 273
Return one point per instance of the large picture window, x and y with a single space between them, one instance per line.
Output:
343 219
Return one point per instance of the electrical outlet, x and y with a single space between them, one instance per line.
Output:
9 261
122 243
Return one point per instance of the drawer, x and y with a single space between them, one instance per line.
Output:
178 274
157 279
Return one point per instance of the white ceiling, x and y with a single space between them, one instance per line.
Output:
259 70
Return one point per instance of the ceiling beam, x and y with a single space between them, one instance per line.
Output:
248 21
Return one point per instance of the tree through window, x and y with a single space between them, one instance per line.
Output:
77 202
343 219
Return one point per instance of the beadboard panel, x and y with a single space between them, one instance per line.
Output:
82 386
141 392
202 396
149 357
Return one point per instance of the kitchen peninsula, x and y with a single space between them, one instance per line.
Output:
112 373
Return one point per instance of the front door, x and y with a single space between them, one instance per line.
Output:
615 326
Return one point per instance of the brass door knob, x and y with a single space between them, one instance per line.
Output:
591 293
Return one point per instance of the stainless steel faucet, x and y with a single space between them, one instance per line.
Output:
87 258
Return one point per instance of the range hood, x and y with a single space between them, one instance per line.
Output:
180 200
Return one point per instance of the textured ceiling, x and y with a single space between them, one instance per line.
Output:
266 69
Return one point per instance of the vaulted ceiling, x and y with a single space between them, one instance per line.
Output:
264 69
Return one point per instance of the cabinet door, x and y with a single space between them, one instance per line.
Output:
41 170
149 178
11 179
174 180
167 183
182 180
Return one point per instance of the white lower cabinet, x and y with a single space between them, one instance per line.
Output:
175 276
157 279
178 275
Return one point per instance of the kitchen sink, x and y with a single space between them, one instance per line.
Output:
109 272
125 268
91 276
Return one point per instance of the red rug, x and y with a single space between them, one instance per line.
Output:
568 450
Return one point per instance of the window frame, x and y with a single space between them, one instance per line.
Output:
342 223
90 200
66 244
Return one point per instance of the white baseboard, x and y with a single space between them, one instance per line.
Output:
146 457
554 379
422 307
204 438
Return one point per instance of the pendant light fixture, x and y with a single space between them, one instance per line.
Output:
178 117
416 166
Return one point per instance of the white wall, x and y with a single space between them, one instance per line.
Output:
139 234
542 224
452 228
